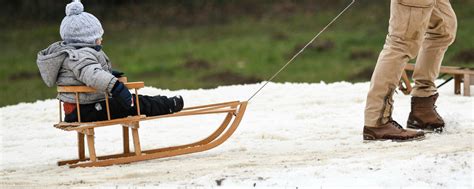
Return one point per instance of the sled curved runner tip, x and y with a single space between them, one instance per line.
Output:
233 110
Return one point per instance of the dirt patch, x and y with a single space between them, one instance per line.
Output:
362 54
325 45
197 64
284 8
154 73
464 56
230 78
321 46
219 181
279 36
363 75
24 75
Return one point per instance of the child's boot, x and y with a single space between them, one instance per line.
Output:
177 103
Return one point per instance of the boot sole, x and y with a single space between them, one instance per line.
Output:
427 129
370 138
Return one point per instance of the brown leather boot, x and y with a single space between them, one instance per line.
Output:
423 114
392 131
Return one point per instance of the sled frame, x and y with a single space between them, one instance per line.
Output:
233 111
460 75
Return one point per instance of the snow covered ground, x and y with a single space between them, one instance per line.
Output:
292 136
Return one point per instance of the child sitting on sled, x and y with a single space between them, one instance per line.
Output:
79 60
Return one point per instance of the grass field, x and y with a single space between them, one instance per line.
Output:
245 50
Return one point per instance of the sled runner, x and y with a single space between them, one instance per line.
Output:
460 75
233 111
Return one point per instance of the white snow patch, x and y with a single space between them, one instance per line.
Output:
293 135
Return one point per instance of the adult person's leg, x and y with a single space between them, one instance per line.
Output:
440 35
408 23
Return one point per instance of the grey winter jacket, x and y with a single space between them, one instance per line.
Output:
68 64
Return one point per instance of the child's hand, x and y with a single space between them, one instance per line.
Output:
120 92
117 73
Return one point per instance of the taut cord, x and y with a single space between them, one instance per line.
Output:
299 52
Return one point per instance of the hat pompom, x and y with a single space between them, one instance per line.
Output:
74 8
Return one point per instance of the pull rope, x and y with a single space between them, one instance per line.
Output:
299 52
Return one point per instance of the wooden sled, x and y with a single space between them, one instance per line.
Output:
234 111
460 75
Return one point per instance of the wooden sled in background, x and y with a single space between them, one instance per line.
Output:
234 111
460 75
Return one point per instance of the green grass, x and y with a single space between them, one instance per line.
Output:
249 48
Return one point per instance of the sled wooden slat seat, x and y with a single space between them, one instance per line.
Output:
76 126
460 75
233 112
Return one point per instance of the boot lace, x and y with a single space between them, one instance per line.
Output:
396 124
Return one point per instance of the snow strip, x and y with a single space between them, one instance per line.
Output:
293 135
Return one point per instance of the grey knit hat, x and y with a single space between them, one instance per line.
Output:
79 26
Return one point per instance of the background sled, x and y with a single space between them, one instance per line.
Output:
234 111
460 75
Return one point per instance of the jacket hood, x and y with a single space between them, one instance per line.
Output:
49 61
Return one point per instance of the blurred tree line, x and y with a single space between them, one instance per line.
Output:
25 13
149 12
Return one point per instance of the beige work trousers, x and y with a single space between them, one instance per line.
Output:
417 28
